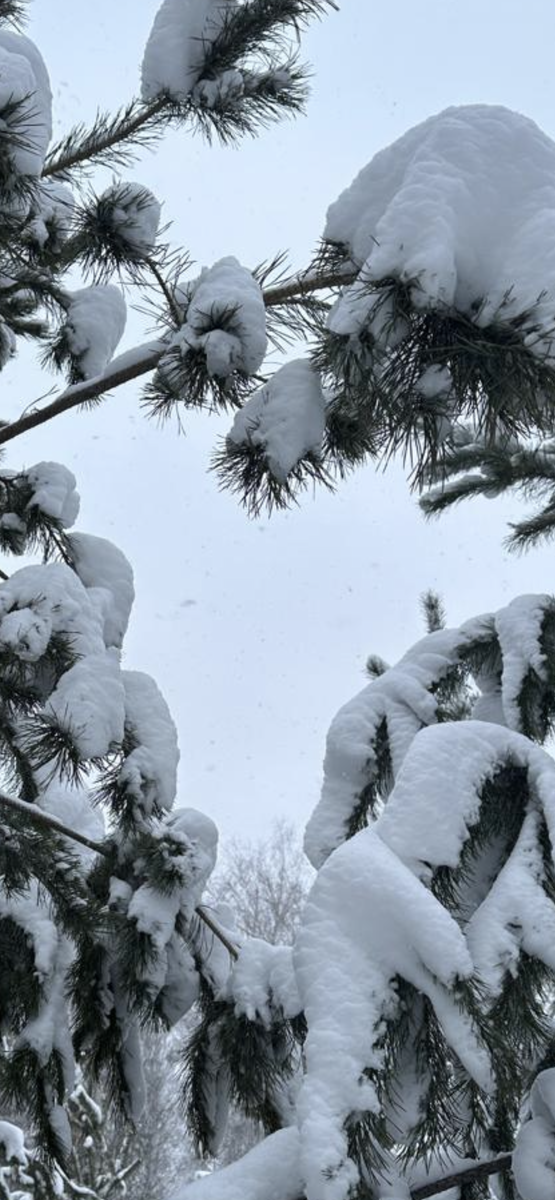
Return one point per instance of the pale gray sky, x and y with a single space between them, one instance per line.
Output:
258 631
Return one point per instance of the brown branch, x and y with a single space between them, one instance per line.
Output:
133 364
167 292
40 817
209 921
480 1170
305 284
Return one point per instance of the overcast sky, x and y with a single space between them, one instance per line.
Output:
258 631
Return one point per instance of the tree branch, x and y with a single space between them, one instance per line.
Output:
143 359
481 1170
124 131
40 817
131 365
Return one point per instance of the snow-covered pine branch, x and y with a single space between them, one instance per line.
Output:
424 961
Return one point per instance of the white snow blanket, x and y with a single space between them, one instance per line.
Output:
464 205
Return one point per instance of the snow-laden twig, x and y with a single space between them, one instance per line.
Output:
143 359
40 817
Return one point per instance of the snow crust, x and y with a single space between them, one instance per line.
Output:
225 318
95 324
285 418
444 207
177 46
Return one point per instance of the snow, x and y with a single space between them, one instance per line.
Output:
24 79
519 629
401 697
135 214
108 576
285 418
434 381
88 703
48 1029
191 840
149 771
54 492
200 834
445 207
262 982
13 1142
177 45
95 323
534 1155
225 318
52 213
270 1171
88 700
368 919
516 915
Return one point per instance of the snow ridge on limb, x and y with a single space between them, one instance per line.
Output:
502 654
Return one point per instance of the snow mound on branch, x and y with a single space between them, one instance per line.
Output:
519 629
149 771
534 1155
226 319
270 1171
262 980
444 206
368 919
135 214
54 492
53 209
94 325
178 44
88 700
105 572
193 839
24 80
401 698
285 418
